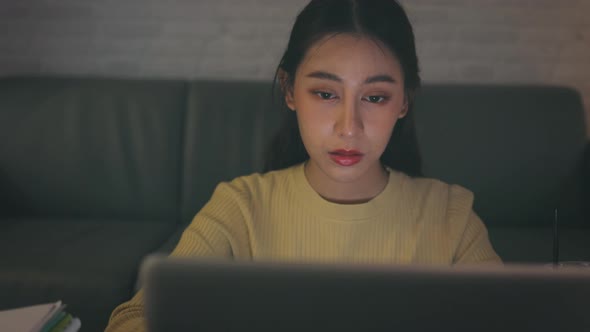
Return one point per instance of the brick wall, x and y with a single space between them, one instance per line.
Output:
500 41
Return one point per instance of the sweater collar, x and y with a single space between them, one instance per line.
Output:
317 205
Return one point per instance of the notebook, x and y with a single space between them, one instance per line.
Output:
190 294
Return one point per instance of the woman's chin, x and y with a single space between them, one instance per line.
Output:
347 173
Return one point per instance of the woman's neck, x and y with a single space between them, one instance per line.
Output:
356 191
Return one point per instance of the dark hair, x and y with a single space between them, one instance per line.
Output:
382 20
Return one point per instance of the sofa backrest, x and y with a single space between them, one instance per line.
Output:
156 149
92 148
228 126
515 147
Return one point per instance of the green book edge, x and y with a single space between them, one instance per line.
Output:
62 324
53 321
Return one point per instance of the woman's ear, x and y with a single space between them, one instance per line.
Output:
286 88
405 106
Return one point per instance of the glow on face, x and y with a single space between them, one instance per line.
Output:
348 94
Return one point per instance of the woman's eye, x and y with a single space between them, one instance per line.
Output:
325 95
375 99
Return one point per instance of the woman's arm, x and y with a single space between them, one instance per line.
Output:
475 246
469 234
218 230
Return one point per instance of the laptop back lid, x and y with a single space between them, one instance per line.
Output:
184 294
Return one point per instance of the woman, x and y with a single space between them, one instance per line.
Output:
340 186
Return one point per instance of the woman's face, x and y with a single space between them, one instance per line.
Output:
348 93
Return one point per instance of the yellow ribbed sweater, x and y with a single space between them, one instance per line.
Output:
278 216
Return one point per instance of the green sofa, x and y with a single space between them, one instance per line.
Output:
97 173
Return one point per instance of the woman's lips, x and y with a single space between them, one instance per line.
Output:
346 157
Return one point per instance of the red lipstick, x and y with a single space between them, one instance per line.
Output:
346 157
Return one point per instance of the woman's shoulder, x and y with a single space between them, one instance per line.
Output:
434 190
443 205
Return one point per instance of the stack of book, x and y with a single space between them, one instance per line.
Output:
49 317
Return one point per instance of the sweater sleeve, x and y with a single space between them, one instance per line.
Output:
473 245
218 230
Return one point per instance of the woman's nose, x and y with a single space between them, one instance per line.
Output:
348 123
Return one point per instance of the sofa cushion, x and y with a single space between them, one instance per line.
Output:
515 147
535 245
86 148
228 127
89 264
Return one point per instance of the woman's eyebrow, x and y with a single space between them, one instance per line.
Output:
333 77
324 76
380 78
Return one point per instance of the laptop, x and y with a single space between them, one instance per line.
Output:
191 294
